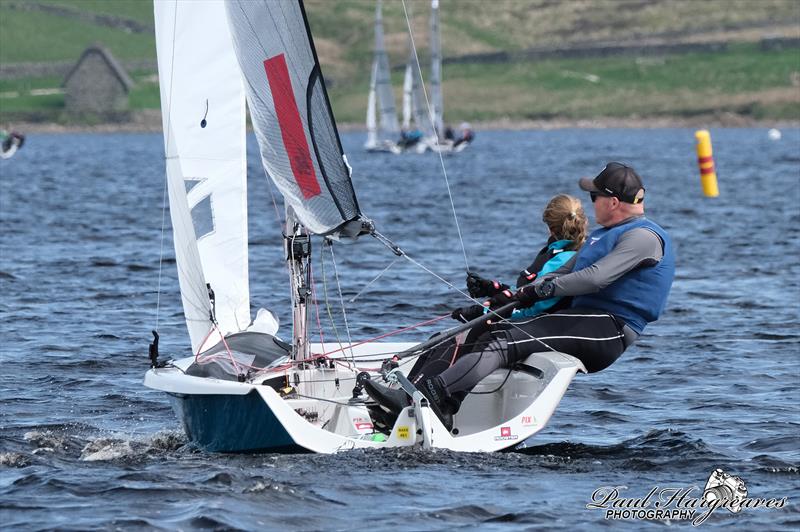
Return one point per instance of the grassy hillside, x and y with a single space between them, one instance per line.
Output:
742 79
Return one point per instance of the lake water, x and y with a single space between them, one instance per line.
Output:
714 384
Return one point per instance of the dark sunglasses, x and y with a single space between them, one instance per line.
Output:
595 195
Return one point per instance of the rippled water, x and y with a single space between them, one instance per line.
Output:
83 445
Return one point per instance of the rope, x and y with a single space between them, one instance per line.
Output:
161 250
436 134
341 299
392 333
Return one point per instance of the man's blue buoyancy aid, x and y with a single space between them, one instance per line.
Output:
639 296
559 258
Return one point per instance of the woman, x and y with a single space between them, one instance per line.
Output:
568 225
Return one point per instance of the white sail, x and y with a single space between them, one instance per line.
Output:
203 113
415 109
436 70
408 83
382 125
300 146
383 82
372 119
415 99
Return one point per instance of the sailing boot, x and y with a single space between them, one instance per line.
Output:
389 399
442 403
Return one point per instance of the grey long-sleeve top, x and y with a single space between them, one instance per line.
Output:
637 247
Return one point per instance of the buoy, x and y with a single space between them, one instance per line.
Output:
774 134
708 174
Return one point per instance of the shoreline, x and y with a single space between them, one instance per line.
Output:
150 122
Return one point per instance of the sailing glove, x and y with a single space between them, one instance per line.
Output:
477 286
466 314
530 294
501 299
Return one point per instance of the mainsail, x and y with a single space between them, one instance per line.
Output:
291 114
436 70
203 113
381 93
414 105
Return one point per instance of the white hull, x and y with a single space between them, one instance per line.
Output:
321 419
386 146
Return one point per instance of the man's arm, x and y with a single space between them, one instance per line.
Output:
637 247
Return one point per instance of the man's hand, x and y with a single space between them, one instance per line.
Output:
528 295
468 313
477 286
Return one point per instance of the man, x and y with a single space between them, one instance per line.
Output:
619 280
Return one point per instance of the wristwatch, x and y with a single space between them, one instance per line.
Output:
545 290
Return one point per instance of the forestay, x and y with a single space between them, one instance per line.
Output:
299 143
203 113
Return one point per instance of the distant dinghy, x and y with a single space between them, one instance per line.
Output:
246 390
382 126
10 143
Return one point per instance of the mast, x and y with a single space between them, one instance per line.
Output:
298 256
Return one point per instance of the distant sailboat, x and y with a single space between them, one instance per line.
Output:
10 143
382 126
416 125
437 99
441 138
245 389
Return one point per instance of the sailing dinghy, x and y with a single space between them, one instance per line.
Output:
382 126
245 390
437 141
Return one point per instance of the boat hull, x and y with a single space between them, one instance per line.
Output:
231 423
235 417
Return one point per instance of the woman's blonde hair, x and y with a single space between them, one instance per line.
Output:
566 220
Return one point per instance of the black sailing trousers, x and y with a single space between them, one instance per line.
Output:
594 337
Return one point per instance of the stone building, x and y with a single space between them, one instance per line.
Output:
97 86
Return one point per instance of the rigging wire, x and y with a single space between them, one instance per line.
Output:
398 251
436 135
341 300
386 269
328 305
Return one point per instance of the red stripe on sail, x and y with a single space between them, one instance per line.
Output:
708 159
292 131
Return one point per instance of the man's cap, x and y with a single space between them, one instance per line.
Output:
618 180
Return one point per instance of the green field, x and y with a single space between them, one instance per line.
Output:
743 79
